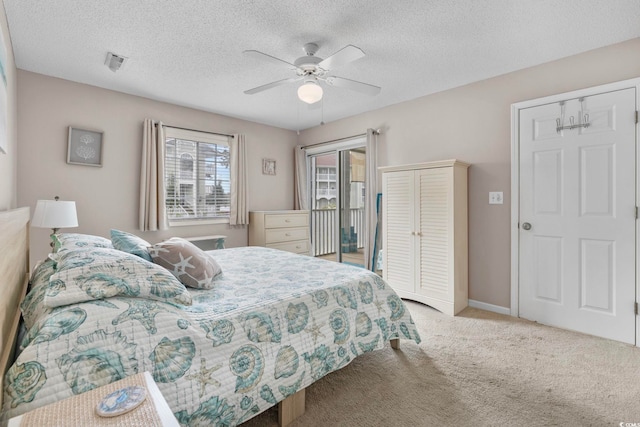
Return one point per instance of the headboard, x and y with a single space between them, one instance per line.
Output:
14 276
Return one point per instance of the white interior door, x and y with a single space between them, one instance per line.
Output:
577 193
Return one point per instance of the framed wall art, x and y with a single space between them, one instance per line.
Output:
85 147
268 167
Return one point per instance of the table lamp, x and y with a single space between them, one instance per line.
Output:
55 214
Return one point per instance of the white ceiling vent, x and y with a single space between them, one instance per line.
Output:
114 62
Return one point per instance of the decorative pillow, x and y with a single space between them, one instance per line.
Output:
99 273
78 257
192 266
130 243
67 241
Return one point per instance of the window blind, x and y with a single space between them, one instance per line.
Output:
197 176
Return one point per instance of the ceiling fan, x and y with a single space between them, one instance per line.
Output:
313 70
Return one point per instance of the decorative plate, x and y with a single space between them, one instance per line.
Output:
121 401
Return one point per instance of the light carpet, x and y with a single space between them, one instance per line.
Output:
479 369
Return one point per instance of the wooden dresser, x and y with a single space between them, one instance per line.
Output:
284 230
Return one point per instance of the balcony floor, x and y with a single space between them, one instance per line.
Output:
350 258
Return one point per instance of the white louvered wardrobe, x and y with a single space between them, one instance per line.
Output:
424 233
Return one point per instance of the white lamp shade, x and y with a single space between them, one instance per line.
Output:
310 92
55 214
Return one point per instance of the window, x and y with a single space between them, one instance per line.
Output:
186 166
197 178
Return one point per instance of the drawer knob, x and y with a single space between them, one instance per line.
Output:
287 220
287 234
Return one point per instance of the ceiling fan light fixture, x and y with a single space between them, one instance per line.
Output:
310 92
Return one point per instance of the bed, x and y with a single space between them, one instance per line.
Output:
272 324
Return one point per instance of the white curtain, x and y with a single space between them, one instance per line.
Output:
152 215
371 196
239 214
301 196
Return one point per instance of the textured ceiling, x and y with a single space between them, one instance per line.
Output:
189 52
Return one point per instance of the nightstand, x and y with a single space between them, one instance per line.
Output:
80 411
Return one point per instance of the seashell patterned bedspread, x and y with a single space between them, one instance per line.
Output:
274 323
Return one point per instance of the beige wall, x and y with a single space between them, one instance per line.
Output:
9 161
472 123
107 197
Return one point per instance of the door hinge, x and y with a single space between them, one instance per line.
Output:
636 116
636 212
636 308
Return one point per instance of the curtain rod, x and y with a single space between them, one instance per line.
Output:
196 130
336 140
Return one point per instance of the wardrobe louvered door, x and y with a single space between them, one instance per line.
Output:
424 232
398 207
434 228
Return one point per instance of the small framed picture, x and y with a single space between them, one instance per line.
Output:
85 147
268 167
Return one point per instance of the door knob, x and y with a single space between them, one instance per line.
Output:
526 226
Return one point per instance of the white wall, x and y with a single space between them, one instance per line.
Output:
9 161
472 123
107 197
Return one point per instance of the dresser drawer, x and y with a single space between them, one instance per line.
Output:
268 228
298 247
286 220
277 235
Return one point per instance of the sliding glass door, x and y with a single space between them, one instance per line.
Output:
337 192
351 206
323 174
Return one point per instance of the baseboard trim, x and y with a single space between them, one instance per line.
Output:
490 307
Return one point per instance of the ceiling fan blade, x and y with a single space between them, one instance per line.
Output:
271 85
268 58
345 55
353 85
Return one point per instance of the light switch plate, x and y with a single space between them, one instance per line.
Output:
495 198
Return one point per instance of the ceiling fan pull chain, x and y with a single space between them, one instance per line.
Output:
298 119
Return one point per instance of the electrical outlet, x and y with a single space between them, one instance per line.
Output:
495 198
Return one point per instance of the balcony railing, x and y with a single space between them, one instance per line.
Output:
326 192
323 229
326 177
